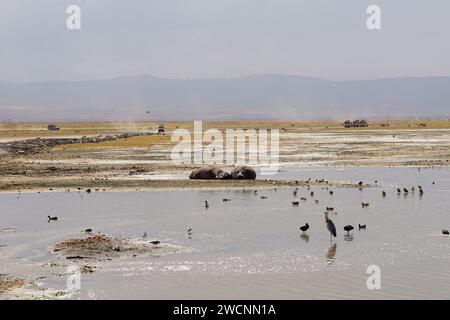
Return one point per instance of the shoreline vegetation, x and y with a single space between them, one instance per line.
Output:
125 156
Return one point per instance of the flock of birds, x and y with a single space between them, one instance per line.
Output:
328 222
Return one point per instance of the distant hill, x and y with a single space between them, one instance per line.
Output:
252 97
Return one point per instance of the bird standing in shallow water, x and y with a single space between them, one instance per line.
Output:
305 227
330 226
383 194
52 218
155 242
206 204
361 226
348 228
445 232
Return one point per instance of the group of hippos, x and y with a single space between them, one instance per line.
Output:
211 173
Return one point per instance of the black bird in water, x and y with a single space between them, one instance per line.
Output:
398 190
295 203
89 230
383 194
361 226
206 204
348 228
155 242
405 190
52 218
420 190
445 232
330 226
305 227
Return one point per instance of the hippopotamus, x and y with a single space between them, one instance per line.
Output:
243 172
209 174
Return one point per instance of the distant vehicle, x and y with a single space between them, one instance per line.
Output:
356 124
52 127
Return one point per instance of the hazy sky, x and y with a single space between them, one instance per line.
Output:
223 38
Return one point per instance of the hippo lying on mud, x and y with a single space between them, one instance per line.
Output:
243 172
209 174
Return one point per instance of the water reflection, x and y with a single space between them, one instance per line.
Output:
305 237
331 254
348 237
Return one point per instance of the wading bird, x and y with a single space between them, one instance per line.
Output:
330 226
206 204
361 226
52 218
305 227
348 228
155 242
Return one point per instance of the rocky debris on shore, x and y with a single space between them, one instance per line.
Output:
107 247
33 146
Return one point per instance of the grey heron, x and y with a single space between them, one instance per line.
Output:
330 226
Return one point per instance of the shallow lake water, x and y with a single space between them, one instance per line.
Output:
248 248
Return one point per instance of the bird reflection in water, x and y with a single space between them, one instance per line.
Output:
331 254
348 237
305 237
